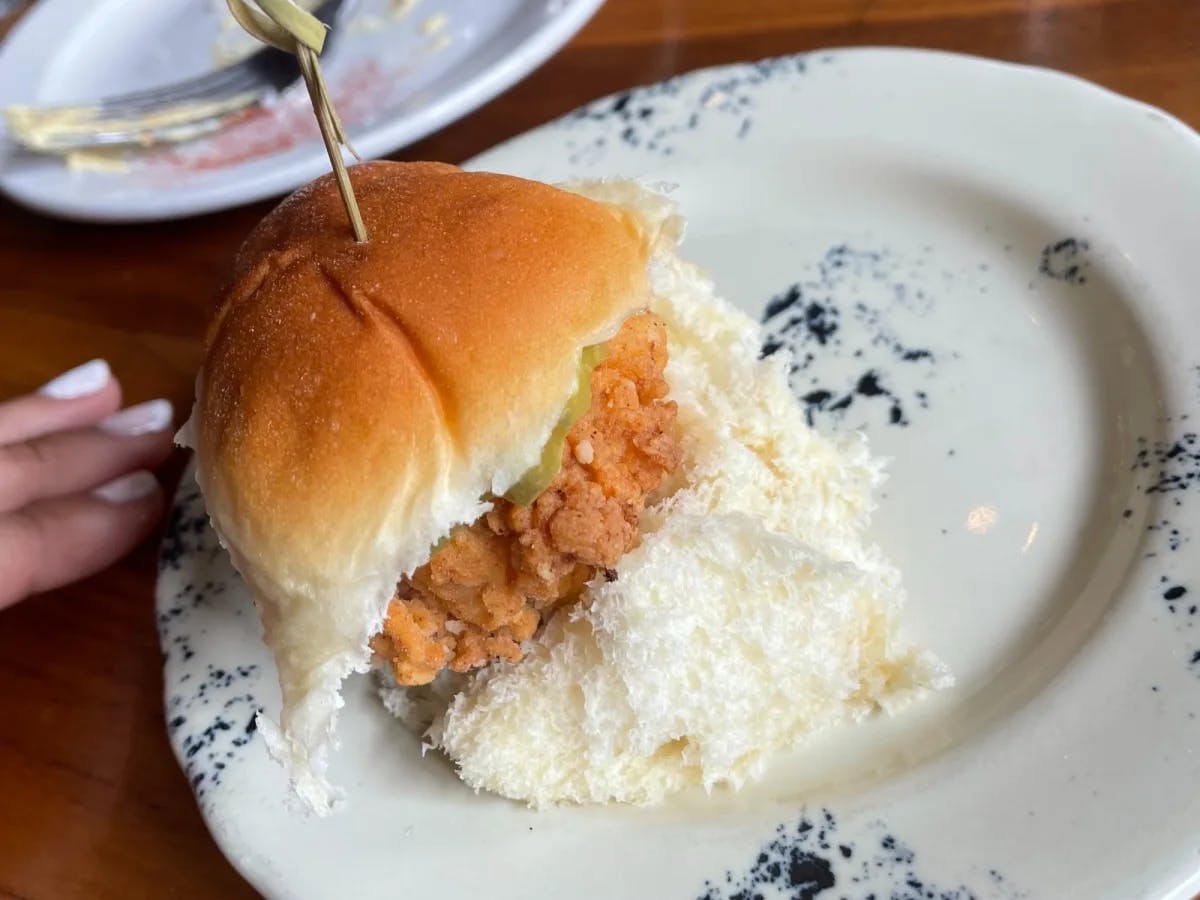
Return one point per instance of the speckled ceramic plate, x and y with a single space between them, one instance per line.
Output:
993 271
397 71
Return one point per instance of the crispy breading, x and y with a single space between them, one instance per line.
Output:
490 586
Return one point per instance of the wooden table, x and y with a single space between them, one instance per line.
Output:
91 801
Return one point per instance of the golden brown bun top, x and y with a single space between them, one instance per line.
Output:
358 399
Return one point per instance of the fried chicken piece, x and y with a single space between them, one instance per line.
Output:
490 586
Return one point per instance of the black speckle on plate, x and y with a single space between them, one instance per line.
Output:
811 859
1065 260
824 317
212 708
1169 472
652 126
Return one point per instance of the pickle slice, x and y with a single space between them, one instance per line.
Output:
536 479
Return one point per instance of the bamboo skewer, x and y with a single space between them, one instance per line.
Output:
286 26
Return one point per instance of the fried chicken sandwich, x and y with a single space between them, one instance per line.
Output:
515 455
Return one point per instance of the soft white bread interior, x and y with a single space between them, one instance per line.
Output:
357 401
754 613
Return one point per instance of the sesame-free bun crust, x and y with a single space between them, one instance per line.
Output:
359 400
346 381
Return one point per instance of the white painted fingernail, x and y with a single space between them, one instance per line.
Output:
78 382
129 487
145 418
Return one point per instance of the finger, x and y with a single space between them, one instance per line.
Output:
55 542
75 399
72 461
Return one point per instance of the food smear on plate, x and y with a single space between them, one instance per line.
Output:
63 129
516 455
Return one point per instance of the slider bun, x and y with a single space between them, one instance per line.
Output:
359 400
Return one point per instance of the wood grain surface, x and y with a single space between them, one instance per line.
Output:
92 804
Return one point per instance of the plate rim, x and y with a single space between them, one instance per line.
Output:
1182 128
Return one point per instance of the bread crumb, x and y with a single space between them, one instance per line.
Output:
584 452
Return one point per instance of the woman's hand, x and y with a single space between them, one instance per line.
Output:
76 491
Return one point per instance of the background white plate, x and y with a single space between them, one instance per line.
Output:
394 79
992 270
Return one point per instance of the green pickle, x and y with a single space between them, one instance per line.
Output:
536 479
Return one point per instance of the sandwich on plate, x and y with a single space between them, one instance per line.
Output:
517 457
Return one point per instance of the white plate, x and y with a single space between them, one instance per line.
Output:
993 270
394 79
